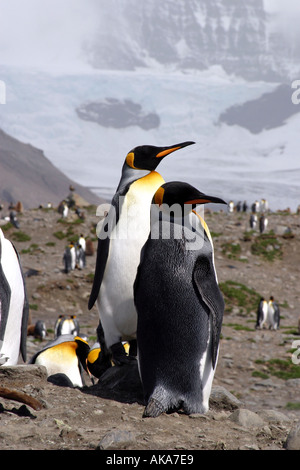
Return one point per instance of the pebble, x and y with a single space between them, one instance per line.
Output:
246 418
116 439
293 439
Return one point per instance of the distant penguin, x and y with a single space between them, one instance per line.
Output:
65 360
69 258
263 223
264 205
255 207
65 211
231 206
80 257
124 231
239 206
253 221
262 313
245 206
179 304
273 314
66 326
38 330
73 255
82 242
13 219
14 307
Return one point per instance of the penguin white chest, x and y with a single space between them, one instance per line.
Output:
12 272
115 302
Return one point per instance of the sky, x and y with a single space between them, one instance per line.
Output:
35 32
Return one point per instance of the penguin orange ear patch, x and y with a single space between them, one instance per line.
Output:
130 160
159 195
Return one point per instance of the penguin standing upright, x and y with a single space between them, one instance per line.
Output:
69 258
66 326
124 231
65 359
273 314
13 219
263 223
80 256
262 313
82 242
14 307
179 304
253 221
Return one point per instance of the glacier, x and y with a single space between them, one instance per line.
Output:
226 161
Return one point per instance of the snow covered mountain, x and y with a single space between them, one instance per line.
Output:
162 73
194 34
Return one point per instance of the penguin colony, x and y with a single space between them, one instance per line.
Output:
255 221
152 293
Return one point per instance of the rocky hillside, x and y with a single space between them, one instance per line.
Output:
255 403
26 175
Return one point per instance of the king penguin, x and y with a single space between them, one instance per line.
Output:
14 307
273 314
123 233
65 359
262 313
66 326
179 304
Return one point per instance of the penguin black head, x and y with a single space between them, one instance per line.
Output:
183 194
148 157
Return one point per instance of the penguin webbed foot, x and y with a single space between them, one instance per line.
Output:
153 409
119 356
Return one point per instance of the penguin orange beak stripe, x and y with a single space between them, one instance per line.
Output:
198 201
166 152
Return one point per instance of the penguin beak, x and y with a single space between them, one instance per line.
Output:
204 199
163 151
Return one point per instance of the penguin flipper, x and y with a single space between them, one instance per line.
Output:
104 242
5 295
102 255
207 286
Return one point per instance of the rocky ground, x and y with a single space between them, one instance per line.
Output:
255 402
